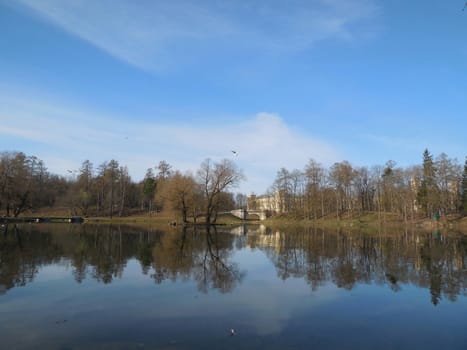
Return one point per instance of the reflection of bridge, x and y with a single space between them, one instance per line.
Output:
243 213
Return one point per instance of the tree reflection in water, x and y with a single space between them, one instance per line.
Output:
204 256
429 261
433 261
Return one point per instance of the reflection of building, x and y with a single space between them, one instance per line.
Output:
243 230
272 203
273 240
260 236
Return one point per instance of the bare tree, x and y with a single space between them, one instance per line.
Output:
341 176
22 182
463 190
365 188
112 182
124 182
84 186
297 181
164 174
215 178
315 177
283 187
165 170
448 176
241 200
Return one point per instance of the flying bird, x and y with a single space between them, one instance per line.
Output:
235 153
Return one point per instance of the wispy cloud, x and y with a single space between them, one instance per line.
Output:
154 35
66 136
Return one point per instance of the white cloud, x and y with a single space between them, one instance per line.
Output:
154 35
66 136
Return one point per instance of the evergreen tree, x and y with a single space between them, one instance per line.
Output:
427 195
149 189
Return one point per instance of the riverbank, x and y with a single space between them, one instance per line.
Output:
366 222
371 222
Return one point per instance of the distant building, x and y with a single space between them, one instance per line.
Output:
272 203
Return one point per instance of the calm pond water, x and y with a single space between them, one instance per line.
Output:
99 287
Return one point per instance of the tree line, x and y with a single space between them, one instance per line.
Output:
102 252
108 190
430 261
438 186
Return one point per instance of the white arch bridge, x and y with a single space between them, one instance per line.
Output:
244 213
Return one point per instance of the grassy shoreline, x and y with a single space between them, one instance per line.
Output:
369 221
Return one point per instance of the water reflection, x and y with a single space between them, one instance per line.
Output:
427 260
203 256
102 253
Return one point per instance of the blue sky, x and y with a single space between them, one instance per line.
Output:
280 82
